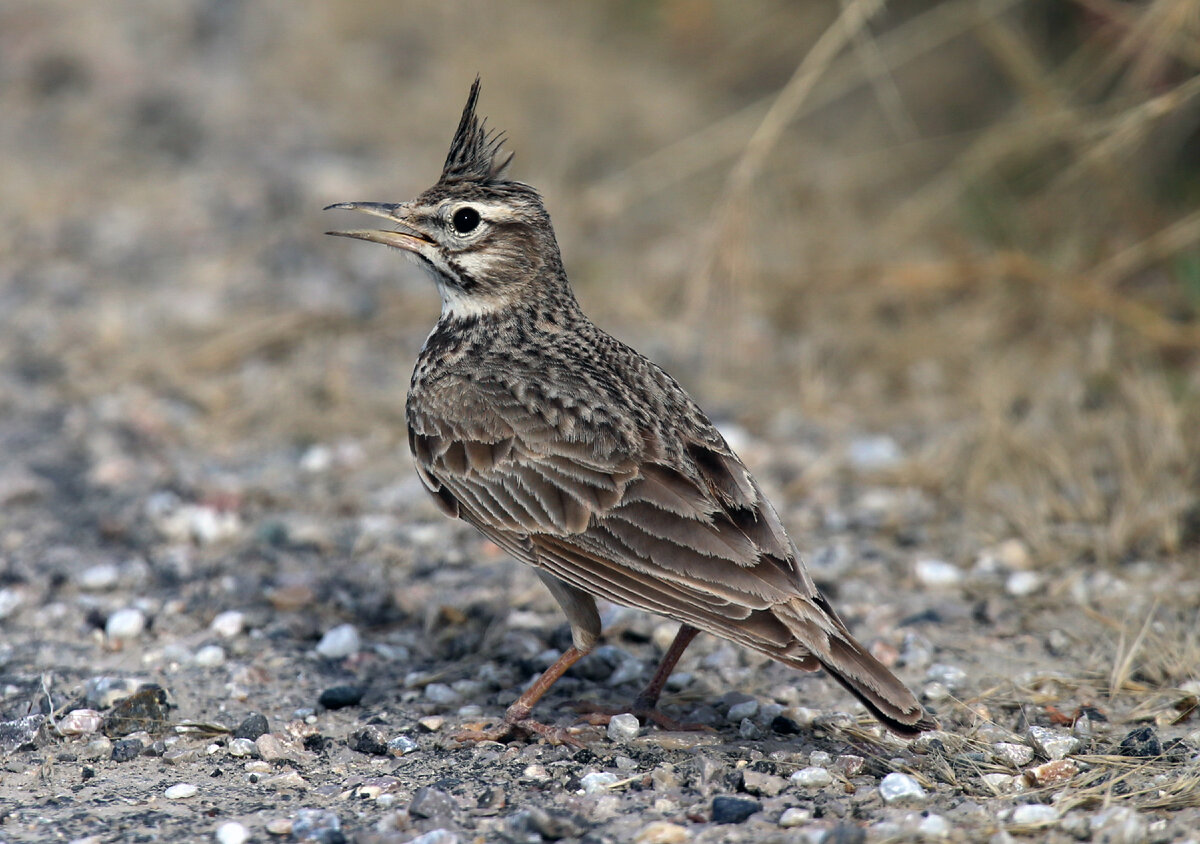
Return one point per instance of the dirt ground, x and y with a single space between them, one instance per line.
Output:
943 302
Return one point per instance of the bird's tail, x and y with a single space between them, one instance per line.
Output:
865 677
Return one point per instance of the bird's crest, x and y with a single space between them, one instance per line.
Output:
475 153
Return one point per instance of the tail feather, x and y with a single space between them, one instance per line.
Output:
848 662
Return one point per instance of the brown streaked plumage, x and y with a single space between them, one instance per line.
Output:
585 460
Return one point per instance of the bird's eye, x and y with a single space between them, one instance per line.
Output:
465 219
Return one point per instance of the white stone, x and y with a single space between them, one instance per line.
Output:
896 788
662 832
794 817
232 832
80 722
950 676
938 573
999 783
1021 584
624 727
1053 743
933 826
228 624
1032 814
339 642
437 836
597 781
812 777
126 623
99 578
242 748
820 758
180 791
209 656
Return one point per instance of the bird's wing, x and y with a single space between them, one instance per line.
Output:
696 541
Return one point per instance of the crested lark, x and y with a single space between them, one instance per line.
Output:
583 459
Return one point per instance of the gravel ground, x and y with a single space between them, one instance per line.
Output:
228 611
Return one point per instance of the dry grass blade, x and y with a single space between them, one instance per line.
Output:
1122 668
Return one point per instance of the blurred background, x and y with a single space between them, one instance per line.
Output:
956 241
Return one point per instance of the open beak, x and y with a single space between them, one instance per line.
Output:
410 240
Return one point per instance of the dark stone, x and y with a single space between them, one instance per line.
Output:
431 803
88 772
786 726
252 727
733 809
844 833
1141 742
147 709
339 697
551 825
126 750
369 740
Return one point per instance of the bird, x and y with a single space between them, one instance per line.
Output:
585 460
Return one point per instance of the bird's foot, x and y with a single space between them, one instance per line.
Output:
523 729
598 716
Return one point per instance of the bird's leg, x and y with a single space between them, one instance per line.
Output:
645 705
516 718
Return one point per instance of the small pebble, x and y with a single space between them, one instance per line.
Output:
1119 825
624 727
727 809
1049 773
339 642
743 710
181 755
209 656
848 764
80 722
98 748
897 788
339 697
288 779
127 623
794 817
279 826
127 749
401 745
431 723
820 758
180 791
228 624
1021 584
933 826
1017 755
597 781
99 578
1141 742
1034 814
432 803
252 726
662 832
937 573
950 676
242 748
812 777
762 784
1052 744
232 832
441 693
369 740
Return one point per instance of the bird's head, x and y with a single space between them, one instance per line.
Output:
486 240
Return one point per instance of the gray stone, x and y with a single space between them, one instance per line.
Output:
21 732
624 727
432 803
315 825
125 623
1053 744
597 781
762 784
1017 755
441 693
740 711
253 725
